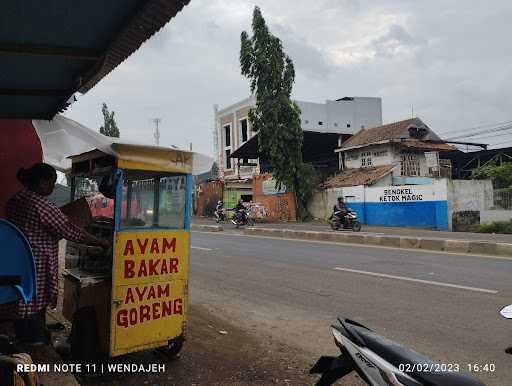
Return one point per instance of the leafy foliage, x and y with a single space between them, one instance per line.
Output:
503 227
501 176
276 117
215 171
109 127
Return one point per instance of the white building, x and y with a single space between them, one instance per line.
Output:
344 116
399 153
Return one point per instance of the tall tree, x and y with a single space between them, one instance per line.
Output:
109 127
276 117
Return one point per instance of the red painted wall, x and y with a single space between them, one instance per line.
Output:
279 207
19 147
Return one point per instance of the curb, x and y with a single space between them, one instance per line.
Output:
206 228
403 242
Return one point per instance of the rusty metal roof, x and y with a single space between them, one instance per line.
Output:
50 50
359 176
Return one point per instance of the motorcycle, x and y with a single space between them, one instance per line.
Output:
506 312
381 362
351 221
242 217
220 216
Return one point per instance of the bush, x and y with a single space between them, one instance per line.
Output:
503 227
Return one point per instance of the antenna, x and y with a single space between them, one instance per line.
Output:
156 134
412 111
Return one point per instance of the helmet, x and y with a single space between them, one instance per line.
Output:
219 202
340 198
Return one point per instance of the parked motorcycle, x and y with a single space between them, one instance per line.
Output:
243 217
506 312
351 221
382 362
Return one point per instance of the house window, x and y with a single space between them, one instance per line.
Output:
227 146
348 124
409 165
366 159
227 135
382 153
320 123
228 160
244 131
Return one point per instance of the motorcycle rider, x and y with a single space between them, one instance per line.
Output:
239 211
340 209
219 209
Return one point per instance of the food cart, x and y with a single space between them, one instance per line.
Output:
132 297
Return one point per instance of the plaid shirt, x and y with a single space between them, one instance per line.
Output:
43 224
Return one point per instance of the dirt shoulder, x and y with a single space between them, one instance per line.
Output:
213 358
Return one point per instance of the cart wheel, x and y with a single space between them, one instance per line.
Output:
173 348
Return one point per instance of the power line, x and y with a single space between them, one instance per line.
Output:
492 130
475 128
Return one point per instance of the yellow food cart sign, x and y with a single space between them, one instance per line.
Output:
149 289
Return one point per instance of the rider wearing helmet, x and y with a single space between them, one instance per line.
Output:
340 209
219 209
240 210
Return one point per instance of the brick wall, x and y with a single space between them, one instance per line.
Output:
279 207
211 192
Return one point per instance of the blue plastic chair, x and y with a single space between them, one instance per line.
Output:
17 267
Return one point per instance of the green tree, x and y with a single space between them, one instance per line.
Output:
501 175
109 127
276 117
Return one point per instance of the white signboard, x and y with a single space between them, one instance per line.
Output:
269 187
432 158
406 193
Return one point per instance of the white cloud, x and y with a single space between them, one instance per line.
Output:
449 59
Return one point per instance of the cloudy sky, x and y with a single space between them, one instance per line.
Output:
450 59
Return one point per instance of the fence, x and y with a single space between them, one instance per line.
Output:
502 199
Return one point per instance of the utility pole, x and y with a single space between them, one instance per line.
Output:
156 134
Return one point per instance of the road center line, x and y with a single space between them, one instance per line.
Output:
441 284
201 248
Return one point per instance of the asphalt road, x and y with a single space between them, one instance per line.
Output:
442 305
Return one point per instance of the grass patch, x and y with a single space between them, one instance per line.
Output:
503 227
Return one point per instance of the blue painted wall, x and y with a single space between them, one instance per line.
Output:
421 214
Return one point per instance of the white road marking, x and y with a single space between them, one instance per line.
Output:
201 248
441 284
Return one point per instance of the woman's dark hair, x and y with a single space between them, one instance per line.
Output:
33 176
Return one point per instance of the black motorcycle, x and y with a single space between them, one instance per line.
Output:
242 217
347 220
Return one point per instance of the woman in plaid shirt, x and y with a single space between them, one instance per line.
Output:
43 224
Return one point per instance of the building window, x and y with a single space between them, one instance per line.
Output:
228 160
366 159
348 124
335 124
244 131
320 123
306 121
409 165
227 135
382 153
227 146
